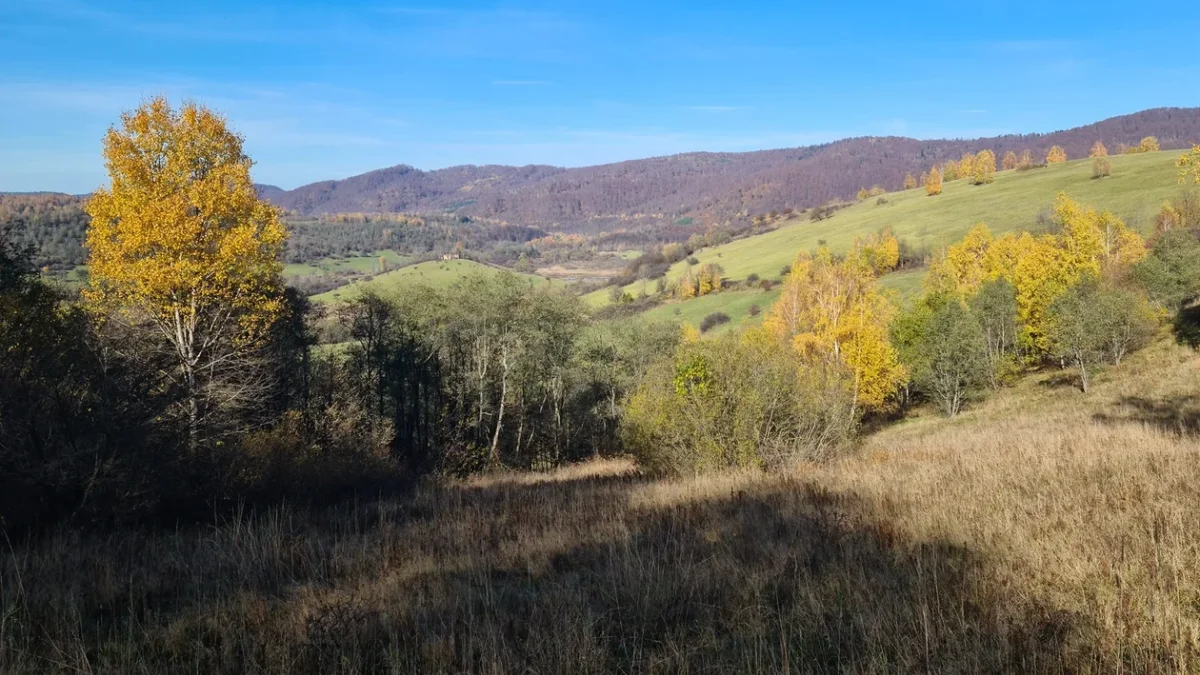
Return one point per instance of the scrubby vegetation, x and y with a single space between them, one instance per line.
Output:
189 482
1041 531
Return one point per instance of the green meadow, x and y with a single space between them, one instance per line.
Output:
435 273
360 264
1135 191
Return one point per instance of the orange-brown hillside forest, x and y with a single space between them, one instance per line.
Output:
998 476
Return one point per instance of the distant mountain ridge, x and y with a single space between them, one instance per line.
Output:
707 187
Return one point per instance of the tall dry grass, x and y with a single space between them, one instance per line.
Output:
1045 531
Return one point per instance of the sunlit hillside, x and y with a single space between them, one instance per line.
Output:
1135 191
436 273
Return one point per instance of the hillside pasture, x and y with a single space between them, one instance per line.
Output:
1043 531
435 273
1135 191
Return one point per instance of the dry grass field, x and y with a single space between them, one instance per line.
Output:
1042 531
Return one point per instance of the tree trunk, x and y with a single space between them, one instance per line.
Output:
500 411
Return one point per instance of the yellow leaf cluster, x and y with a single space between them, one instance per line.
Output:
983 168
832 312
966 165
1098 150
1056 155
910 181
181 236
1040 268
879 252
950 171
1147 144
1189 166
933 182
705 280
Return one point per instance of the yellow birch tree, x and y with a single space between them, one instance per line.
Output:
180 243
833 313
1189 166
983 169
933 182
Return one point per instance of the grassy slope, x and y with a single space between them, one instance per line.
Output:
363 264
437 273
1135 191
1041 531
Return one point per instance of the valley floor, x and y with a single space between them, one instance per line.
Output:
1041 531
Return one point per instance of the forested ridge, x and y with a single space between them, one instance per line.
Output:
711 188
496 211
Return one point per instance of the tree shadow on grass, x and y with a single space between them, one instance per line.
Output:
1178 415
772 576
791 579
1186 326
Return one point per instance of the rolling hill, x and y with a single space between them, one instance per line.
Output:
1017 200
695 190
436 273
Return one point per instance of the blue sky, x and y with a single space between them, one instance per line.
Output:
327 90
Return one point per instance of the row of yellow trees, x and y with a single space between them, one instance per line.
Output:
981 168
833 314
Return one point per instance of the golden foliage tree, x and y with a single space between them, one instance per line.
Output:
910 181
933 182
833 313
1148 144
950 172
966 166
1098 150
862 194
983 168
1056 155
1026 160
1189 166
687 284
1090 243
1010 161
708 279
878 252
180 242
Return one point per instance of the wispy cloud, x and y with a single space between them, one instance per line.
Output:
520 83
247 26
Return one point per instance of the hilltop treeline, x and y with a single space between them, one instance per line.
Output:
713 189
345 234
53 224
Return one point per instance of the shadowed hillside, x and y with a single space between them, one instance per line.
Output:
1043 532
708 187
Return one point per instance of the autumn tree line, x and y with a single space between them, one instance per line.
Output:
834 350
186 379
980 168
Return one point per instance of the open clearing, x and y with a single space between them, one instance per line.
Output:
436 273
